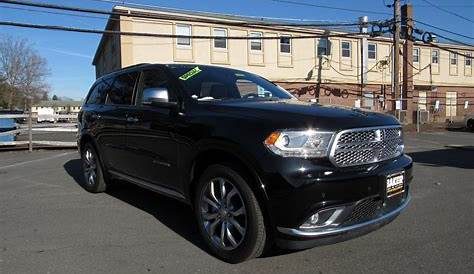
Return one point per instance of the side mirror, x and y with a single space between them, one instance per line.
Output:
157 97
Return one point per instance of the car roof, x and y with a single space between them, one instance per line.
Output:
141 66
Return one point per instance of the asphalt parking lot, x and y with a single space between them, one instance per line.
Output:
49 224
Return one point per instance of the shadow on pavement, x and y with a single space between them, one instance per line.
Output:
460 157
176 215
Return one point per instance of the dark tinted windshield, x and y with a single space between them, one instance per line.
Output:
211 83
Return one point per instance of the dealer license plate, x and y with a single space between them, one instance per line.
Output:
395 184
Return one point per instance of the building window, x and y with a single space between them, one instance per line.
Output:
416 55
285 44
453 58
324 47
372 51
256 43
468 61
346 49
435 56
220 43
186 31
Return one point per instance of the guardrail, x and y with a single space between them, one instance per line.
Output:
31 128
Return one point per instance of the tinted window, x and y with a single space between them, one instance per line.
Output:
154 79
121 91
208 83
99 92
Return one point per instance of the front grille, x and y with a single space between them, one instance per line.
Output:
364 210
366 145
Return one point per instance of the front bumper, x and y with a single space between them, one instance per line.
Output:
301 239
297 188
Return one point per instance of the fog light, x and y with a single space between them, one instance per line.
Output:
323 218
313 220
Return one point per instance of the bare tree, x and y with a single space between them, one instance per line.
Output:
23 71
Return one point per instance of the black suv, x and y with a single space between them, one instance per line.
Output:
257 165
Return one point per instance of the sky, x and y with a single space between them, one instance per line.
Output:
69 55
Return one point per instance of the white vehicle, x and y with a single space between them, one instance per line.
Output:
45 115
469 121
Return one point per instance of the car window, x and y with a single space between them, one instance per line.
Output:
215 83
99 92
154 79
121 90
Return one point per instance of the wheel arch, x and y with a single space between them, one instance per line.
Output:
231 155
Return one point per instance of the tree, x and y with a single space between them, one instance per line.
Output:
55 98
23 72
44 97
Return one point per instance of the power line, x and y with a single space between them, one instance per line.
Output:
341 28
453 40
448 11
445 30
57 13
170 17
133 4
445 6
447 49
160 35
329 7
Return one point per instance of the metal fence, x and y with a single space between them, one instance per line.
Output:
29 130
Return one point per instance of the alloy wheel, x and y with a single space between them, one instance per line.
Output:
223 213
90 167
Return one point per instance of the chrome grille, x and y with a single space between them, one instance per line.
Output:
366 145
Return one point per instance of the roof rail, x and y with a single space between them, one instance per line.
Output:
136 65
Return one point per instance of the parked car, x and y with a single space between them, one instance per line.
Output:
258 166
469 121
6 125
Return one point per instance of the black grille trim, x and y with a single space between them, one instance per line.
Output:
364 210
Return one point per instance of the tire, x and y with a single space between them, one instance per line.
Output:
470 125
244 231
94 179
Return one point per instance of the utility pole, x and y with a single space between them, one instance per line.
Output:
396 55
363 26
408 86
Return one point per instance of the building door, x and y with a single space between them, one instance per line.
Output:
451 100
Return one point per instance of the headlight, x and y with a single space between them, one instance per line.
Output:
299 143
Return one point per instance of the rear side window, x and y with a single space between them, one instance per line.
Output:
99 93
121 90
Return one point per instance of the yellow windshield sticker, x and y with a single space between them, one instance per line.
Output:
190 74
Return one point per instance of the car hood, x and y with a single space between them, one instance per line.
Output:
297 114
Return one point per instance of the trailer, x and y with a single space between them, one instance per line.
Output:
45 115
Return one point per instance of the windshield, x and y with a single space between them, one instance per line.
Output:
214 83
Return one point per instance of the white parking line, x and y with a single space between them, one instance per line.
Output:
37 160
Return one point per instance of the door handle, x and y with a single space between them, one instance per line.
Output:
132 120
